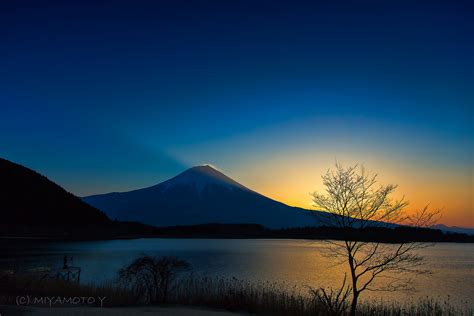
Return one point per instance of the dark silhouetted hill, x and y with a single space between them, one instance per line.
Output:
30 199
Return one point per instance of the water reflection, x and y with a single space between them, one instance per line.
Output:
293 262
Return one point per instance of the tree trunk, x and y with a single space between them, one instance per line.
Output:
355 292
354 303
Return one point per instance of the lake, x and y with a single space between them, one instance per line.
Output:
294 263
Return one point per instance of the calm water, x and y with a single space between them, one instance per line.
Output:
293 262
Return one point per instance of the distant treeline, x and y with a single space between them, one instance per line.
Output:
394 235
123 230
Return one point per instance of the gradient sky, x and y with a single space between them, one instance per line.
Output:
110 96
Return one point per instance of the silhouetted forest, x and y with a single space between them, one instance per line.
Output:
30 199
128 230
395 235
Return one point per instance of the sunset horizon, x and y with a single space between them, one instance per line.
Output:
228 158
302 194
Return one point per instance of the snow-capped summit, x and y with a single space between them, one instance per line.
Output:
202 177
199 195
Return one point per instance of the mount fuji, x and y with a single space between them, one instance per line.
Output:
200 195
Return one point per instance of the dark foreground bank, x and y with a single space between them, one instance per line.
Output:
40 296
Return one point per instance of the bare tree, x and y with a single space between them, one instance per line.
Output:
151 278
354 200
335 302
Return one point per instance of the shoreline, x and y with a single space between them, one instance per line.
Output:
58 239
126 230
112 311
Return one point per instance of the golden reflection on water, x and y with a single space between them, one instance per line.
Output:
300 264
294 264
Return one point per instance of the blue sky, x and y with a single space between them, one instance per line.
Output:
117 95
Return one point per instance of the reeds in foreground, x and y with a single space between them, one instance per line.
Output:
278 299
264 298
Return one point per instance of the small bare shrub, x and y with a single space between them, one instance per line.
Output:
151 278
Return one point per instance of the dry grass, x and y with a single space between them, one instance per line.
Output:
229 294
278 299
12 286
426 306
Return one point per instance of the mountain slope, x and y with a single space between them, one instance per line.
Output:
28 198
454 229
199 195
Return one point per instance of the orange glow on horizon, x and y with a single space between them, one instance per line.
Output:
449 191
